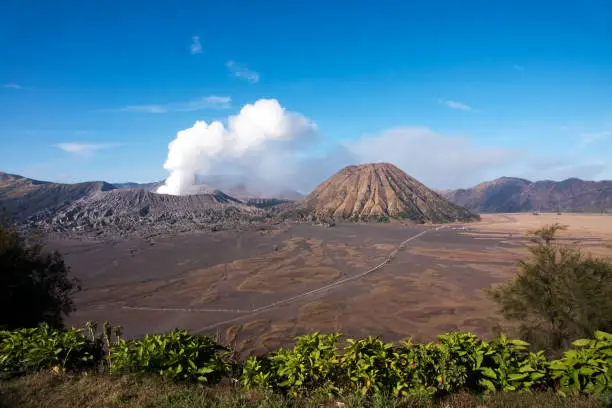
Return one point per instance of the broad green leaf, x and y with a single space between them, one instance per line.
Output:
488 372
581 343
518 376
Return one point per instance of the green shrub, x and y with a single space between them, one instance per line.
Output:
35 286
432 369
507 365
368 366
260 372
588 369
455 362
311 365
558 295
41 348
177 355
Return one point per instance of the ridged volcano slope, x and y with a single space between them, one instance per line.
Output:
120 212
375 191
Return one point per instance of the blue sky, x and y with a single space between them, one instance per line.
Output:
458 92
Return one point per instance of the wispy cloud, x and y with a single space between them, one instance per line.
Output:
206 102
594 137
519 68
196 46
242 72
12 86
84 149
145 108
455 105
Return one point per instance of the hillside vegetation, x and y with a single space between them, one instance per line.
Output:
317 367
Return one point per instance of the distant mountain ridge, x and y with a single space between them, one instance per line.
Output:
510 194
22 197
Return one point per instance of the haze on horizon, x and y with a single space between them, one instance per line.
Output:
453 94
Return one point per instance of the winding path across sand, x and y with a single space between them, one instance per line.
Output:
274 305
246 313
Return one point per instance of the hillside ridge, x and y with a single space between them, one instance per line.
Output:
509 194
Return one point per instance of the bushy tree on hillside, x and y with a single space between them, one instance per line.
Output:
34 285
560 294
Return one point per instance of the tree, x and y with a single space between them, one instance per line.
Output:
34 284
559 294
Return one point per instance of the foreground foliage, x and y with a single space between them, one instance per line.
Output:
34 285
40 348
48 390
318 369
559 295
456 362
177 355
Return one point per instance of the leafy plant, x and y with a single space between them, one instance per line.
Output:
367 365
311 365
259 372
42 348
587 369
507 365
177 355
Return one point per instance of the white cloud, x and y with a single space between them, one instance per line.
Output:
547 168
242 72
218 102
262 138
437 160
455 105
287 149
594 137
196 46
84 149
206 102
12 86
145 108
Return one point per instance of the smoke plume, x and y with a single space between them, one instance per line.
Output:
260 127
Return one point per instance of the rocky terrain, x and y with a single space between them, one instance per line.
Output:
508 194
21 197
377 192
120 213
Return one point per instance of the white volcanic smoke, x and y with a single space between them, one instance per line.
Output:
198 149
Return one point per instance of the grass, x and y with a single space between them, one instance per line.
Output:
44 389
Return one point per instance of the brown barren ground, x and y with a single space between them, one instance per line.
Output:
258 289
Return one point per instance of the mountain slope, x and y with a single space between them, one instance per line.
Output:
509 194
121 212
374 191
22 197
